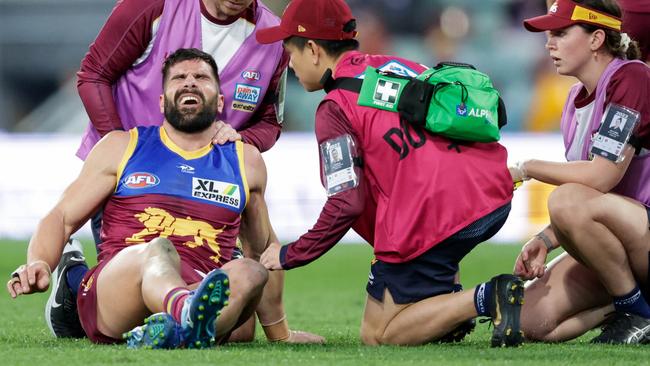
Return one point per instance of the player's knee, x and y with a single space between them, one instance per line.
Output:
254 276
162 246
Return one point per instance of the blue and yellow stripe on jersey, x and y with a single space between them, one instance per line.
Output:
154 164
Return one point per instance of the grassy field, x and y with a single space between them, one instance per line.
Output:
326 297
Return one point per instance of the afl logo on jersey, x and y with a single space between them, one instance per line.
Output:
141 180
251 75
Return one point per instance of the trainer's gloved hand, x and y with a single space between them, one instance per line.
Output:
225 133
518 173
531 262
29 278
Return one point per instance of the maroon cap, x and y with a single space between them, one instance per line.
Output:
564 13
314 19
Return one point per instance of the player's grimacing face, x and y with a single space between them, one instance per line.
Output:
191 96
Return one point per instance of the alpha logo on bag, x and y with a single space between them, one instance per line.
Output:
461 110
479 112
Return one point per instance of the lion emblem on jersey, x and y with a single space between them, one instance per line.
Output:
162 224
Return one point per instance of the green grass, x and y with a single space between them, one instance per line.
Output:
326 297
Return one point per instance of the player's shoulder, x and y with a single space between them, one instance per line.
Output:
254 166
251 154
115 143
119 137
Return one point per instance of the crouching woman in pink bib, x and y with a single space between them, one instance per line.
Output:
599 212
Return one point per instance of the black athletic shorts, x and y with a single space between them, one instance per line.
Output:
432 273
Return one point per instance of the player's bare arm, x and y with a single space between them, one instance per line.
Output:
256 226
79 201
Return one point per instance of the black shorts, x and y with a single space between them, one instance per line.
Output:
647 211
432 273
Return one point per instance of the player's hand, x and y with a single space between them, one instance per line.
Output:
531 262
300 337
271 257
225 133
29 278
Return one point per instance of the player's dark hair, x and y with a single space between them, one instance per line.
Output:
612 37
332 48
186 54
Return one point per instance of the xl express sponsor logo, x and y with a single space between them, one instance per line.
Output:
216 191
141 180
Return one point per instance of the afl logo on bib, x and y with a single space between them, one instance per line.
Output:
251 75
141 180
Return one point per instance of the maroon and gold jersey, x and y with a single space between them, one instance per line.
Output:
194 199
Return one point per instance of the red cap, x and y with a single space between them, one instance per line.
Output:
564 13
314 19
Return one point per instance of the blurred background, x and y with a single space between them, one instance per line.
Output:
42 43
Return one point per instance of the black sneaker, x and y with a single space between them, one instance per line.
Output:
506 301
460 332
624 328
61 308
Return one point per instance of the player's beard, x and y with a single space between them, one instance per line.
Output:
191 122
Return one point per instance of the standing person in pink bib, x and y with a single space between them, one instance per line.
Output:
120 83
599 213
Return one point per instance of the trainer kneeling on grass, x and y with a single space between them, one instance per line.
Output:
164 231
422 200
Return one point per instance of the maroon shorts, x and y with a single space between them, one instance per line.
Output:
87 305
87 300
